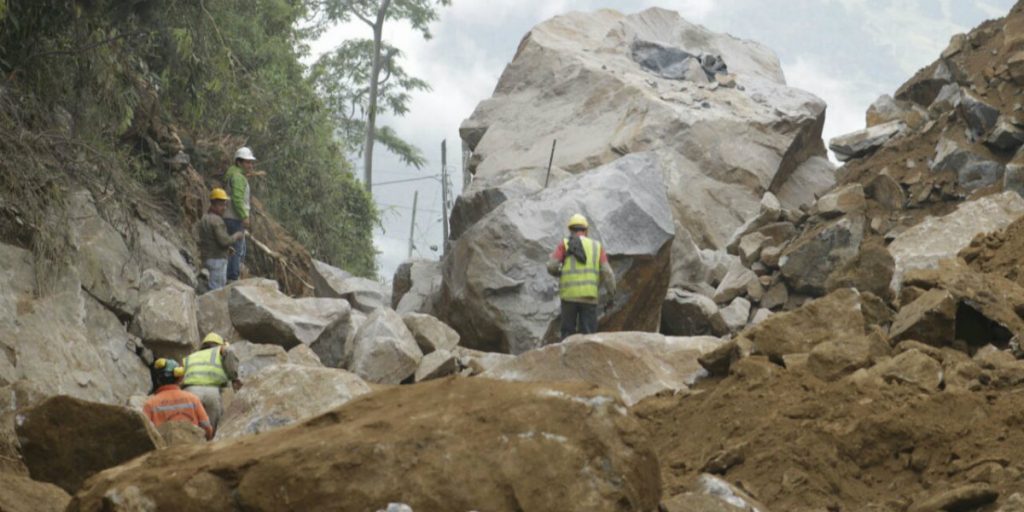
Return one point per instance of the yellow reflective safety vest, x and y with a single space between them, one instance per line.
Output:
580 280
205 368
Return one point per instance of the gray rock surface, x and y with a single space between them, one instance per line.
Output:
841 201
331 282
60 338
981 117
935 238
213 314
254 357
736 314
575 79
634 364
691 314
416 286
1006 135
270 399
497 293
973 171
864 142
166 321
383 350
807 262
105 265
437 364
265 315
431 334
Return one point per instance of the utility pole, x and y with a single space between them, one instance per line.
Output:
412 225
444 197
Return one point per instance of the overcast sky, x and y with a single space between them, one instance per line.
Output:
848 52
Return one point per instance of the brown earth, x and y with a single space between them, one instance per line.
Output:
797 443
451 444
999 253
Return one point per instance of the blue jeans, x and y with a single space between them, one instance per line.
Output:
236 259
218 269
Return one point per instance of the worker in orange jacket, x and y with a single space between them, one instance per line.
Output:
170 403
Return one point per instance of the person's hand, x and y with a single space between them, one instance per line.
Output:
231 251
246 223
236 384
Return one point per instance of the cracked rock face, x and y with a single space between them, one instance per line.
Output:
605 84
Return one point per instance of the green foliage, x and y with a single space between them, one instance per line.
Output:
342 77
216 69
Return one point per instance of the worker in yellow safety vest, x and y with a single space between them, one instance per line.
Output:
208 371
581 264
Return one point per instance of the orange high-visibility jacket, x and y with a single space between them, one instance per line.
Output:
170 403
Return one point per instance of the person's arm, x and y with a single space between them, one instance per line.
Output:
556 259
148 411
238 187
230 361
220 232
607 275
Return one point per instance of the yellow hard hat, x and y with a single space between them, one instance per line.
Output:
213 338
578 220
218 193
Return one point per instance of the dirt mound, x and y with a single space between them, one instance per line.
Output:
797 443
452 444
999 253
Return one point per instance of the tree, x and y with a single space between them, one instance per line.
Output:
382 58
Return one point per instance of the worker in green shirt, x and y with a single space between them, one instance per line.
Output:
236 215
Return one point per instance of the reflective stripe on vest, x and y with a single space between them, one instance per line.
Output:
205 368
580 280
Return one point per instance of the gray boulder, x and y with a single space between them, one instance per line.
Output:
416 286
254 357
736 314
437 364
691 314
575 79
105 265
810 259
635 364
497 293
981 117
284 394
265 315
1007 134
60 338
213 314
383 351
972 170
864 142
841 201
166 321
431 334
923 245
331 282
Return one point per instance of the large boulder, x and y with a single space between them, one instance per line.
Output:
431 334
19 493
265 315
283 394
691 314
936 238
416 286
363 294
65 440
213 313
254 357
60 338
106 266
833 317
807 262
604 84
864 142
636 365
166 321
497 293
383 350
450 444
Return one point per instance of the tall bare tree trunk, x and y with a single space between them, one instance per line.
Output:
371 117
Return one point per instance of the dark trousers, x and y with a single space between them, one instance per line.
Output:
578 314
236 259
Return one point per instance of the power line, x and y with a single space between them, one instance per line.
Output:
406 180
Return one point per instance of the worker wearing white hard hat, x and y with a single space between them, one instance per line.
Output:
236 215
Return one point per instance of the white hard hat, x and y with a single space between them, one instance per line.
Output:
244 153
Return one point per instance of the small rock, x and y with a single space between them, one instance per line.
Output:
437 364
965 497
930 319
736 314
